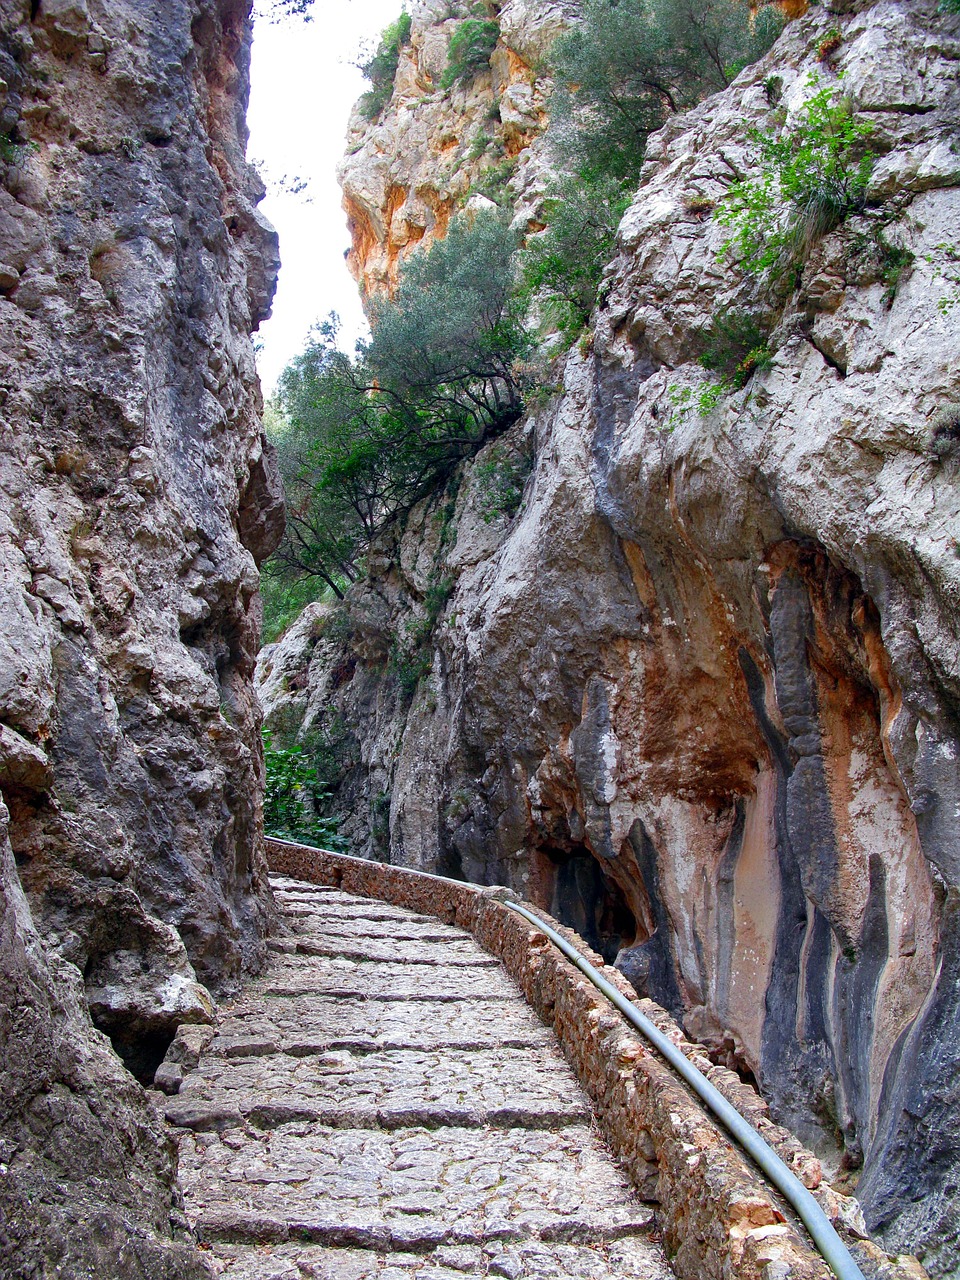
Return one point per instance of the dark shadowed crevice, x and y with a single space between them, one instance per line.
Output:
587 900
141 1052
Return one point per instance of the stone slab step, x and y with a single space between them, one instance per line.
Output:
292 975
413 1189
632 1258
336 926
345 906
394 951
529 1088
318 1024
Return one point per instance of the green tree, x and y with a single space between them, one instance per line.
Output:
367 436
449 341
629 64
618 75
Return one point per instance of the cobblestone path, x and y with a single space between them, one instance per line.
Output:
383 1103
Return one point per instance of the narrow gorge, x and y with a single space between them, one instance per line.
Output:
696 692
650 614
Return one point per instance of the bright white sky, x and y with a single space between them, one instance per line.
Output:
302 89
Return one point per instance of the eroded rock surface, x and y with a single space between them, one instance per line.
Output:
136 497
406 173
699 696
339 1156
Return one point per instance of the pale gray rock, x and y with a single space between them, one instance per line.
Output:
86 1171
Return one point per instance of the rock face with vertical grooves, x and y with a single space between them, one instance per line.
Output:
361 1119
699 696
136 497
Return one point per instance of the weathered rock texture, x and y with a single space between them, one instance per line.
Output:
407 173
136 495
700 696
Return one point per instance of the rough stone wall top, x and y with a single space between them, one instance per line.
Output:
136 497
407 173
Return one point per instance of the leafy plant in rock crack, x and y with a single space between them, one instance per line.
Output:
471 45
807 179
293 797
735 346
411 658
945 261
500 481
380 68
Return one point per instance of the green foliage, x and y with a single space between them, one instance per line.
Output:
411 658
284 598
367 437
618 74
500 481
945 432
811 177
732 341
946 266
494 183
562 266
628 64
894 260
13 151
735 348
950 6
381 68
471 45
294 797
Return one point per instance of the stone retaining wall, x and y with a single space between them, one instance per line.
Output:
719 1219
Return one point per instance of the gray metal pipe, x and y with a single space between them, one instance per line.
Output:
821 1230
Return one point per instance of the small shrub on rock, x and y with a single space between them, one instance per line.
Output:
381 68
470 48
808 179
945 432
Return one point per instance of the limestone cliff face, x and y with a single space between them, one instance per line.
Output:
407 173
136 496
700 696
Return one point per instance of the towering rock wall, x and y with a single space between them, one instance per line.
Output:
407 173
136 497
699 696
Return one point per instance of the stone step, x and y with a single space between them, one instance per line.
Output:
411 1189
359 927
395 951
295 975
631 1258
318 1024
530 1088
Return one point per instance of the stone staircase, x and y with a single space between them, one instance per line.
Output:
384 1103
